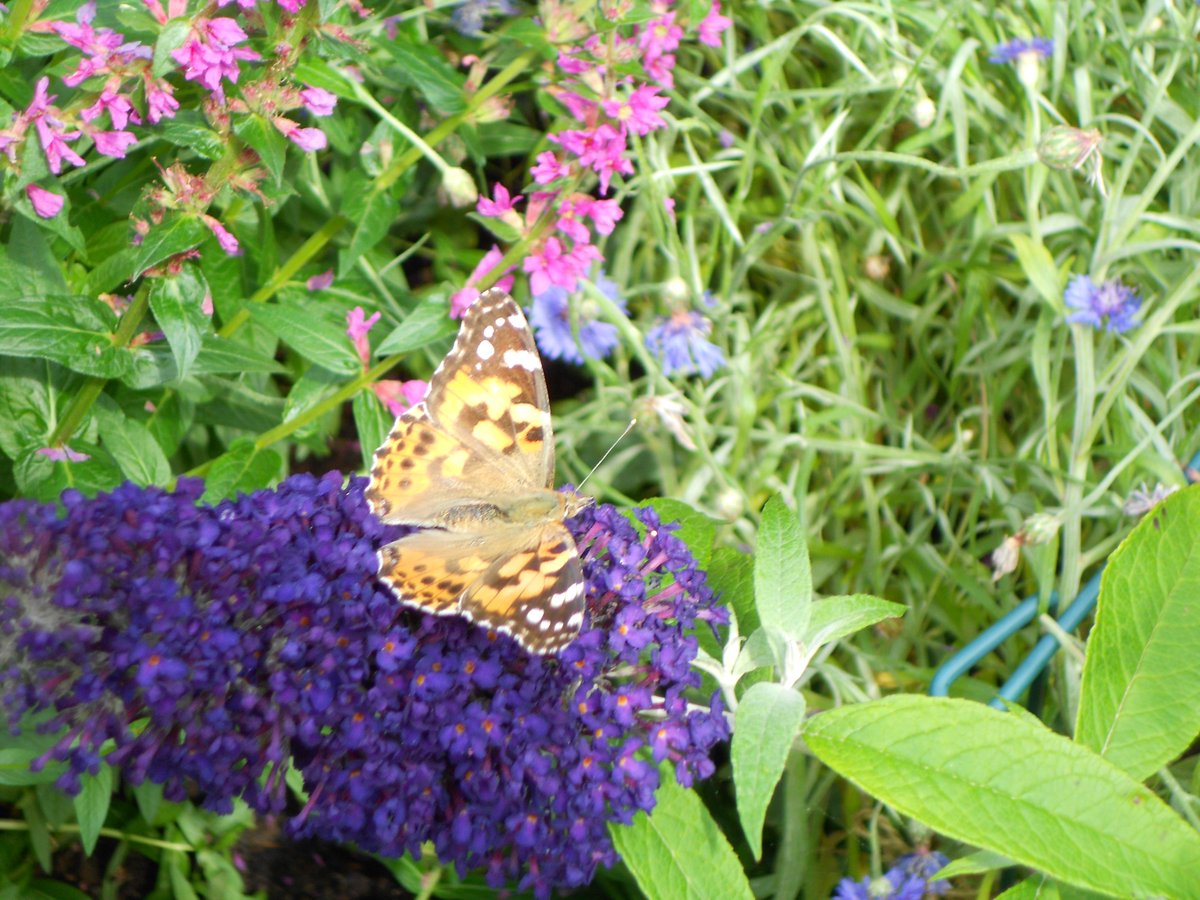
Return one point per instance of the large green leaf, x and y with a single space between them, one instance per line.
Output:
678 852
177 302
425 325
91 806
782 573
175 234
1005 783
1139 704
425 69
132 446
768 719
76 332
836 617
316 335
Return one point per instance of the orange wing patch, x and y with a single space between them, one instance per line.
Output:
415 459
430 570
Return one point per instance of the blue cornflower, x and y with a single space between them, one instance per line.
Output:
468 17
1111 304
213 647
551 319
1017 48
681 344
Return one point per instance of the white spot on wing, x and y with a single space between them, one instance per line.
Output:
575 621
534 615
521 359
486 350
489 331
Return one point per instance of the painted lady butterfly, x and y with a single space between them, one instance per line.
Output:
474 465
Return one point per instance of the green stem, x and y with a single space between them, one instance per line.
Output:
71 828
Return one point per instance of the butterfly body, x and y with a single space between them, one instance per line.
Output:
473 464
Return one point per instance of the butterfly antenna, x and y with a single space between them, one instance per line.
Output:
628 428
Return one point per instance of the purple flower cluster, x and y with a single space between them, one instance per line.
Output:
908 879
241 636
1111 304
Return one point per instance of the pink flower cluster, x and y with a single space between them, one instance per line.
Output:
210 56
608 110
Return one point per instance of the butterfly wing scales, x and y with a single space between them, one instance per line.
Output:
431 569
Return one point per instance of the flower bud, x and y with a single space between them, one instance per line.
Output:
459 187
1064 147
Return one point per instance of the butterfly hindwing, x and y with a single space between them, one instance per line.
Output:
536 594
431 569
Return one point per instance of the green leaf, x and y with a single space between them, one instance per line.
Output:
695 529
424 68
177 302
149 797
782 573
731 576
371 421
1006 784
678 852
173 36
222 356
189 131
265 139
372 211
427 324
1039 267
768 719
28 268
91 806
76 332
177 234
180 874
240 470
835 617
1139 704
132 446
313 333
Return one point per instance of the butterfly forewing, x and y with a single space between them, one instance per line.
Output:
473 462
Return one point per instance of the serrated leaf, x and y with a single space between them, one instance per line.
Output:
91 806
695 529
75 332
1139 704
265 139
768 719
313 334
835 617
427 324
241 469
678 852
177 303
782 573
173 36
172 236
1003 783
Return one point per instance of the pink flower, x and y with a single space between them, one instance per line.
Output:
45 203
660 36
307 139
210 55
639 111
579 107
461 300
357 328
549 168
501 206
573 64
120 110
660 69
227 241
63 454
113 143
604 215
292 6
54 143
669 206
551 265
400 396
160 101
710 27
320 282
602 150
174 9
319 101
